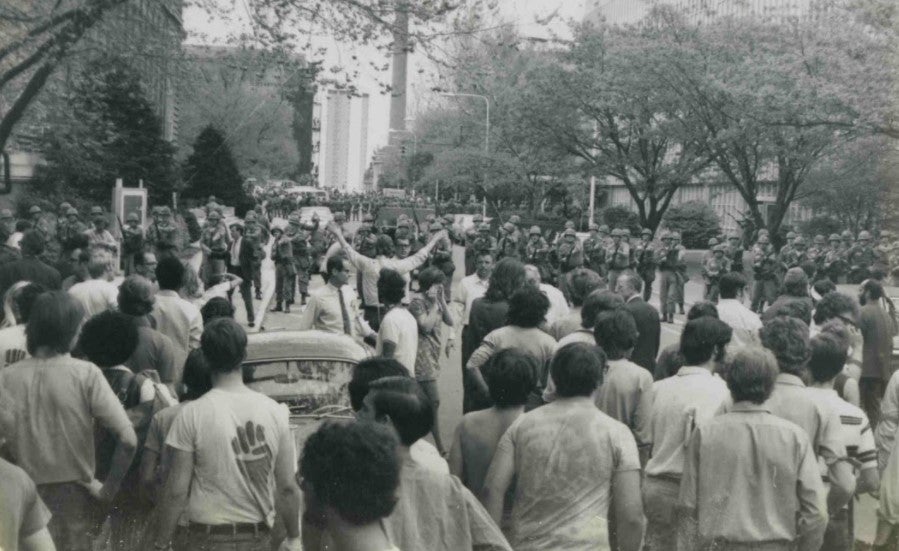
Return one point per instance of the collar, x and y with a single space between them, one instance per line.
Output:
167 293
693 370
749 407
788 379
634 297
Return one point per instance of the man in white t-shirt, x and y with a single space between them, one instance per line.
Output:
558 305
232 452
398 334
97 294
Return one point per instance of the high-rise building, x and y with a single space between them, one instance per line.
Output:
343 155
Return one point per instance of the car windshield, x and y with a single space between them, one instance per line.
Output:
306 386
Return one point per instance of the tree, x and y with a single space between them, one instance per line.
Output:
107 130
696 221
211 170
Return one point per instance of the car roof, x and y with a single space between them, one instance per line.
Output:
305 345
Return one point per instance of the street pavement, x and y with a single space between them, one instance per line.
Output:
450 380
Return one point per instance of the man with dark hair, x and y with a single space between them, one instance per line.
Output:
334 307
751 478
794 299
12 339
788 339
29 267
175 317
511 376
624 382
145 265
398 331
233 464
558 305
581 282
877 322
97 294
565 504
669 411
649 325
242 260
471 288
154 350
351 473
731 310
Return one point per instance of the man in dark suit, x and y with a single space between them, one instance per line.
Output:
629 286
244 255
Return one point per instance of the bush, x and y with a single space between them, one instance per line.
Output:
824 225
697 222
619 216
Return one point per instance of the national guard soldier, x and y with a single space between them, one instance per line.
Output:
713 267
132 241
485 242
72 228
681 269
595 251
285 269
710 252
215 241
302 257
765 270
99 237
403 229
162 234
645 260
735 252
604 235
848 241
536 252
668 261
508 243
568 256
256 236
364 231
883 251
835 259
861 258
318 242
40 223
262 219
816 254
471 234
441 257
515 220
618 257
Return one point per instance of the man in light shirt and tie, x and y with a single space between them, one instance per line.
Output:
334 307
471 287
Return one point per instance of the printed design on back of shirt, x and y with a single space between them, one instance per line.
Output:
253 455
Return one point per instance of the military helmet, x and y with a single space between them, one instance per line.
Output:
34 210
626 232
277 228
293 220
5 214
820 240
535 230
864 236
846 234
569 224
64 206
675 235
402 223
368 218
834 237
763 231
617 232
604 228
720 248
592 226
436 226
71 211
713 242
799 242
214 215
484 228
666 236
96 211
515 219
477 218
733 235
791 235
763 239
569 232
886 234
132 216
165 211
509 227
250 216
646 232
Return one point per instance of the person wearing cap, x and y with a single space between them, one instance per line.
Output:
568 255
764 269
285 269
215 242
861 257
163 235
595 251
848 241
508 243
668 257
484 242
318 243
682 276
62 219
815 254
644 257
710 251
713 268
99 237
604 234
619 257
132 241
40 223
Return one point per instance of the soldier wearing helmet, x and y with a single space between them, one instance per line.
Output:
644 257
568 253
62 220
595 251
710 251
285 269
618 257
67 233
163 234
484 242
132 241
508 242
215 241
668 259
713 267
735 252
537 252
834 263
255 235
302 259
765 267
862 258
318 243
816 253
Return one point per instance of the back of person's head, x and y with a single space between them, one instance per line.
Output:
837 330
632 280
702 309
582 282
334 263
32 243
224 343
391 286
511 375
730 285
704 339
616 333
217 307
108 339
100 264
798 308
354 469
79 241
169 273
430 277
506 278
577 369
750 375
384 245
872 289
527 307
834 306
823 287
136 296
796 282
827 357
24 226
787 338
597 302
370 370
401 401
54 322
23 300
197 378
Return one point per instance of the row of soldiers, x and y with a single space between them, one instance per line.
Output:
297 251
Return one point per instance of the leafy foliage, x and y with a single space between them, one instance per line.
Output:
697 222
619 216
211 170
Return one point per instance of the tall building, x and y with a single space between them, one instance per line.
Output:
343 156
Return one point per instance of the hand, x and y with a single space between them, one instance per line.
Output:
291 544
449 347
98 490
333 227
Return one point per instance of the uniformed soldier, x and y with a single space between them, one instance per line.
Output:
318 242
834 265
604 234
816 254
471 235
62 221
508 243
99 237
536 252
765 270
163 235
40 223
735 252
362 233
883 250
713 268
285 270
618 257
215 242
710 251
681 270
302 257
485 242
861 258
132 242
67 233
568 255
848 241
441 257
645 260
595 251
257 236
667 260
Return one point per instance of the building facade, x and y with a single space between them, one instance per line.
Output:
343 155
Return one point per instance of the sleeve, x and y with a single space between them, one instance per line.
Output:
168 371
829 445
866 453
196 331
626 456
35 514
412 262
389 330
105 406
483 352
689 483
811 519
183 433
642 425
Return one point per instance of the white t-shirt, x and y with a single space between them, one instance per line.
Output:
95 295
400 327
12 345
236 437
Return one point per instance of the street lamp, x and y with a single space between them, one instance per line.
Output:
486 129
413 134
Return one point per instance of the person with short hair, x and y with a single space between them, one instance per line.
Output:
877 325
174 316
581 282
351 472
569 462
731 310
558 305
97 293
154 350
794 300
29 267
750 478
669 412
527 312
649 325
471 288
398 332
233 460
145 265
624 382
334 307
511 376
54 394
13 346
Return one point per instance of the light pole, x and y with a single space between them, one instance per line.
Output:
486 129
404 131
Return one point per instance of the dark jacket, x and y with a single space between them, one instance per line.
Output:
650 328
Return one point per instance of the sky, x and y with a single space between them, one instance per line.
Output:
526 14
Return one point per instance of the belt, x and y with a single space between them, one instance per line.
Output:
229 529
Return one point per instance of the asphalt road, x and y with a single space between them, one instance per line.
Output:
450 380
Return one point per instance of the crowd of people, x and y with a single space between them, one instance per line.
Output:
125 421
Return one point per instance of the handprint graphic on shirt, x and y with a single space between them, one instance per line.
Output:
254 456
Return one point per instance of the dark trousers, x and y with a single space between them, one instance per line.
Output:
647 288
473 399
372 315
187 540
246 289
77 516
871 391
838 536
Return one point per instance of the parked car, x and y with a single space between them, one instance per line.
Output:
308 371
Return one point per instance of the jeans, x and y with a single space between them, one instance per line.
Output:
77 516
838 536
187 540
660 497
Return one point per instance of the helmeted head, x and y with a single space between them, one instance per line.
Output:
617 234
214 217
864 237
435 227
834 238
569 225
132 218
250 217
800 243
791 235
646 233
165 213
763 239
35 211
604 229
64 208
846 235
713 243
719 250
508 227
534 231
72 213
484 229
667 238
569 234
820 240
515 219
